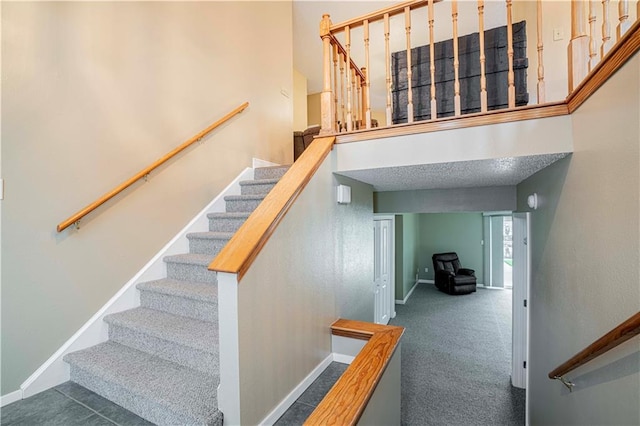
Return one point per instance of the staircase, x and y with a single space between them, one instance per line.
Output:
161 360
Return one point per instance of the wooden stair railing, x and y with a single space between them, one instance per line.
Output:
352 111
239 253
623 332
75 218
348 398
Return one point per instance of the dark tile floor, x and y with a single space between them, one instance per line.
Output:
66 405
309 400
71 404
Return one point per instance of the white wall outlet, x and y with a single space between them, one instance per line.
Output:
558 34
426 269
1 189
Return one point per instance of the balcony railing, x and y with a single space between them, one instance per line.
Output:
347 94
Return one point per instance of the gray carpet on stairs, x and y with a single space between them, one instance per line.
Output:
161 360
456 359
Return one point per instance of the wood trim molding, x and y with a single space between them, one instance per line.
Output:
239 253
612 62
347 400
379 14
450 123
145 172
623 332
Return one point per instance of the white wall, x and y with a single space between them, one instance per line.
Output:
585 240
93 92
299 101
315 268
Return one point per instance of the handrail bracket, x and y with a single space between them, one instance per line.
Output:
568 384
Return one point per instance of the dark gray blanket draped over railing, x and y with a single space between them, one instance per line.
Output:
496 70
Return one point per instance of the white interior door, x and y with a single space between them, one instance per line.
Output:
382 270
521 283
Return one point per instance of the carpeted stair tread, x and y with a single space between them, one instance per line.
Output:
250 197
190 259
211 235
228 215
259 182
182 390
186 289
272 172
181 330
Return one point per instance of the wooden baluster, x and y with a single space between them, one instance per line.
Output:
456 59
432 65
593 60
358 80
365 95
511 76
343 78
336 57
354 109
347 59
606 30
483 77
407 26
387 58
541 88
623 17
578 46
326 101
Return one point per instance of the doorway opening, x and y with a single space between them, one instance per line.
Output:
498 250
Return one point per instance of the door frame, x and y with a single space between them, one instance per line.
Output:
521 294
392 264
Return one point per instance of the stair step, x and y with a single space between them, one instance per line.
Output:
274 172
258 186
226 222
243 203
208 242
159 391
190 267
182 340
193 300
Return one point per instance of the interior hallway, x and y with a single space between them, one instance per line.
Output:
456 359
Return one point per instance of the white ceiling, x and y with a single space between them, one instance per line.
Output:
461 174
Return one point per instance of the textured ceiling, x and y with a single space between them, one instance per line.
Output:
463 174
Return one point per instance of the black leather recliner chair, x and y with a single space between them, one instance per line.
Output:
450 277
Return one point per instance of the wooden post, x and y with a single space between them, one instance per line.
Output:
483 77
456 60
578 46
326 97
358 81
623 17
343 77
407 27
541 87
347 60
593 60
336 57
432 65
606 30
511 76
366 106
387 58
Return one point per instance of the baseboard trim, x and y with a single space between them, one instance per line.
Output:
10 397
426 281
288 401
55 371
404 301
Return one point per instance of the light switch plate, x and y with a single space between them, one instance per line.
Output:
1 189
558 34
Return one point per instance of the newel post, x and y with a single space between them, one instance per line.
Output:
326 97
578 46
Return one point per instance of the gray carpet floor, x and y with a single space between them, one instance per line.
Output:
456 359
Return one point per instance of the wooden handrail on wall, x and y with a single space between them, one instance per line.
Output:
617 336
347 400
239 253
75 218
